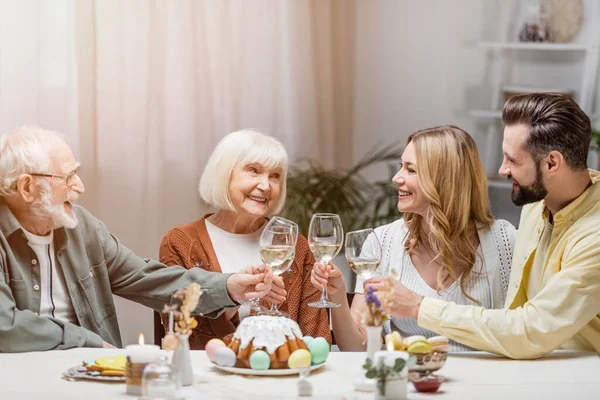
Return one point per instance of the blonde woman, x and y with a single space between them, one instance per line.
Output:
447 245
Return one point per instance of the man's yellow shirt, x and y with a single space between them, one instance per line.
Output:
553 299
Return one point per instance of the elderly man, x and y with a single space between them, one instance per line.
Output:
60 265
553 299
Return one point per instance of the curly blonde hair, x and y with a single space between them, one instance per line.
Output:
452 178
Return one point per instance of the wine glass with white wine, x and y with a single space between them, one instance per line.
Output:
325 238
363 252
277 250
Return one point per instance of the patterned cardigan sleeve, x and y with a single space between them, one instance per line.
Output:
313 321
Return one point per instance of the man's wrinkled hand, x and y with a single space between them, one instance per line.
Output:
402 302
250 283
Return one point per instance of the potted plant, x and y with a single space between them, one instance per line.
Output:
312 188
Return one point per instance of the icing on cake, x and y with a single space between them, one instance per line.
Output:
266 332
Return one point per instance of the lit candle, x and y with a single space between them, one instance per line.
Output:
138 356
142 353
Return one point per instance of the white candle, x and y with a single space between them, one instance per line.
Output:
389 358
142 353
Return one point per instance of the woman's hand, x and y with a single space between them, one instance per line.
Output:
277 294
329 275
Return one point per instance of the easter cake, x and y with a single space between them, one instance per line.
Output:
268 342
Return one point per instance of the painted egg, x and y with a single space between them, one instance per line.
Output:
225 357
260 360
212 346
299 359
319 350
307 340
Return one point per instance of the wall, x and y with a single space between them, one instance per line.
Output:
417 66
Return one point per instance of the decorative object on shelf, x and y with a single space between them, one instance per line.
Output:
389 369
185 302
313 189
536 25
566 19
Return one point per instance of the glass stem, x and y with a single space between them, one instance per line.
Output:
324 296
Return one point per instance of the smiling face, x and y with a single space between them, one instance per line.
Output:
53 206
254 189
410 196
519 166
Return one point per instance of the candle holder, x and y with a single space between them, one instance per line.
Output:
133 377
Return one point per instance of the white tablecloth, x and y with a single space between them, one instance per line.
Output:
562 375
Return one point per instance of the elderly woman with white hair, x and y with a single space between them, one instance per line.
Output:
245 179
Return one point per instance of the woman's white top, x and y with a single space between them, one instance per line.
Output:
487 282
235 251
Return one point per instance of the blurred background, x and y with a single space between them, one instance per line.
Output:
146 88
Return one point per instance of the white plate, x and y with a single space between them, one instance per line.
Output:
266 372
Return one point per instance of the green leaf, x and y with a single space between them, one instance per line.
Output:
368 364
399 364
371 374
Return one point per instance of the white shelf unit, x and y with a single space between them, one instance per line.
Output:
504 54
535 46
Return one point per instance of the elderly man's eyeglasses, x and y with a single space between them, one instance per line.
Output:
67 178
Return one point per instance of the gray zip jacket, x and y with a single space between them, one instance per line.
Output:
95 266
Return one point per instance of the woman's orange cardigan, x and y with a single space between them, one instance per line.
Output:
190 245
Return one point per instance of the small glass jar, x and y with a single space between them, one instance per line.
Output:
160 381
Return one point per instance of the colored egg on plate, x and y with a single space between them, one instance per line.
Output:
319 350
212 346
307 339
299 359
260 360
225 357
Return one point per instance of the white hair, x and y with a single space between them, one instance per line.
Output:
241 148
23 151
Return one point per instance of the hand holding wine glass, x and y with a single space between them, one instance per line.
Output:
277 249
325 238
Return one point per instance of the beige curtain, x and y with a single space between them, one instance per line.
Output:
160 82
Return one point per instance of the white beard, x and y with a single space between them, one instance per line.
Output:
59 217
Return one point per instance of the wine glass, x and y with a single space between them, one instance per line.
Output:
363 252
277 249
325 238
280 221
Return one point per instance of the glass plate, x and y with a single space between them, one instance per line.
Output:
74 373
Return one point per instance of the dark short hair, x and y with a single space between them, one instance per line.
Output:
556 123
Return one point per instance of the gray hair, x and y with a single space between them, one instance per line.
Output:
241 148
24 151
